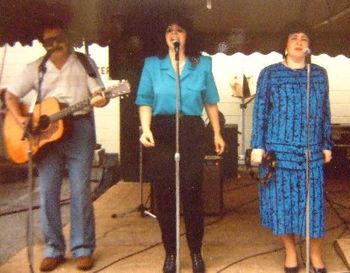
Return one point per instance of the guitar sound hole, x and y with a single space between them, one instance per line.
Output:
44 123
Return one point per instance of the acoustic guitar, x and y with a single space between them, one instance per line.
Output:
47 124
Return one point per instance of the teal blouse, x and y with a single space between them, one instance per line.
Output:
157 87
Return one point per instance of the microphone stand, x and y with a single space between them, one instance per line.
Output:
307 156
30 225
27 133
143 210
243 107
177 159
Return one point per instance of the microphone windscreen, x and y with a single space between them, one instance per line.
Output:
176 43
307 51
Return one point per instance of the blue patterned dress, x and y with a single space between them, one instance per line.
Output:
280 125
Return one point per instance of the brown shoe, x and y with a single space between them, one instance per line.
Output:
84 262
50 263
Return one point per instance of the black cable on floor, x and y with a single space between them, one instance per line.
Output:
62 203
128 256
345 223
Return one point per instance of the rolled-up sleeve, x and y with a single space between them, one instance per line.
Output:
145 91
23 82
211 96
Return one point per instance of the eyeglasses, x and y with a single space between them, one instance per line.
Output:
48 42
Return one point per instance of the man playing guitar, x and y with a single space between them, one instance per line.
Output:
66 80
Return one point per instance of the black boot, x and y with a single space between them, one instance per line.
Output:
320 270
170 263
294 269
197 262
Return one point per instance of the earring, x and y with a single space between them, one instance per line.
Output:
285 52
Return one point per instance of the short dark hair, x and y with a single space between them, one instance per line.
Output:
294 27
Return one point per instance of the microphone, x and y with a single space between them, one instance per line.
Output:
176 44
307 51
47 56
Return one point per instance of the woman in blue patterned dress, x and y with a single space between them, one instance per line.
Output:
280 125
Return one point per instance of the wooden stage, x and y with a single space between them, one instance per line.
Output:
234 242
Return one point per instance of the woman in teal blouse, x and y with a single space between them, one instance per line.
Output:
156 97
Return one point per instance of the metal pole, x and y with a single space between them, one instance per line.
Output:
307 173
141 174
177 162
3 63
30 225
142 208
242 156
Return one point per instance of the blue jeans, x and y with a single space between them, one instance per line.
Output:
74 152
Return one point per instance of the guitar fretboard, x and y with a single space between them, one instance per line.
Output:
111 92
69 110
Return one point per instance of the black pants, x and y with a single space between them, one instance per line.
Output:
161 167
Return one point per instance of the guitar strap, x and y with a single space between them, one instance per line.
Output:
86 64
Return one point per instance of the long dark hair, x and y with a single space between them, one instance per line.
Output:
192 50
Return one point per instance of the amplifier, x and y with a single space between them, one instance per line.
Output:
230 156
212 187
229 159
339 165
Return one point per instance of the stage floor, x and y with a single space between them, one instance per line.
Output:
234 242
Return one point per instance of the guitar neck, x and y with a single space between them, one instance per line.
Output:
111 92
70 110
